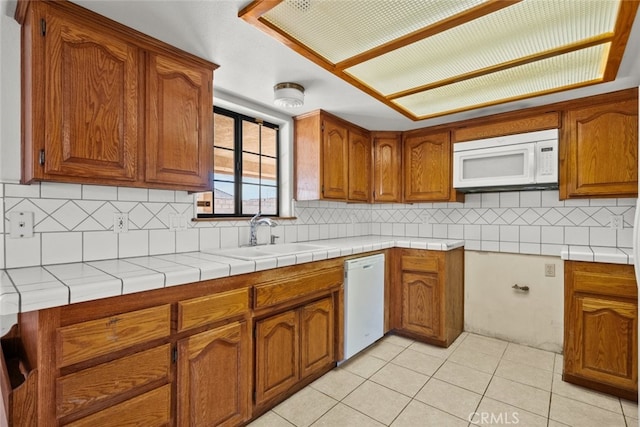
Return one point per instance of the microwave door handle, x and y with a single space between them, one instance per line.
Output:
532 162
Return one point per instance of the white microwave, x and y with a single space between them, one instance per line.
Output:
525 161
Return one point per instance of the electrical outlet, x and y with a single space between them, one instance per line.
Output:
21 225
120 222
426 218
550 270
616 222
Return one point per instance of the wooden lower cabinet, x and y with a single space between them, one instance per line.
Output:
214 377
601 327
316 336
291 346
277 355
179 356
427 300
149 409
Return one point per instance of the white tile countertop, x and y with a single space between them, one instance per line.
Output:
36 288
597 254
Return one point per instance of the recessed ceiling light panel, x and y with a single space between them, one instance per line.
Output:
340 29
568 71
428 58
519 31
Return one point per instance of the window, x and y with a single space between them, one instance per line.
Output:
245 167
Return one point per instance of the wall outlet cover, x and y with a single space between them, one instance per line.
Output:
21 224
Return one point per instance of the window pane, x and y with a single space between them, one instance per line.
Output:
269 201
223 160
269 171
223 130
269 141
223 198
250 199
251 137
250 168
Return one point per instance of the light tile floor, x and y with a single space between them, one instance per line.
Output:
476 381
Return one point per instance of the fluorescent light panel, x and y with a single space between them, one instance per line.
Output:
564 71
521 30
340 29
508 52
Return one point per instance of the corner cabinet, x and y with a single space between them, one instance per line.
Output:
601 327
599 148
387 166
428 167
100 102
332 159
428 299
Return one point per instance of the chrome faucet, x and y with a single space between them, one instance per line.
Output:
254 223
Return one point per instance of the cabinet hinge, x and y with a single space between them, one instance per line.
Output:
41 157
174 356
43 27
322 127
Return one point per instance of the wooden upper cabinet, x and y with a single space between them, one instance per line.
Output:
387 162
332 159
104 104
89 81
179 113
599 150
359 166
427 167
335 160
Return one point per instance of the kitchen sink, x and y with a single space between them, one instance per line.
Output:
265 251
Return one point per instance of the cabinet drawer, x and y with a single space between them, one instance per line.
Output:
200 311
602 279
280 291
150 409
420 260
83 341
82 389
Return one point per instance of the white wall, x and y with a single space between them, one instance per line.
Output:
9 94
494 308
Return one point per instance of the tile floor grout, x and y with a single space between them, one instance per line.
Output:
403 412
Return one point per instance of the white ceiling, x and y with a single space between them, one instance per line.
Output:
251 62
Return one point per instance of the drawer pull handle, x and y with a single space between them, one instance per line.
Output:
520 288
113 321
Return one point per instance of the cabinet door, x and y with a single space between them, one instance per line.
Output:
421 311
277 355
386 168
604 334
335 152
359 165
427 167
91 103
601 150
316 336
179 122
213 377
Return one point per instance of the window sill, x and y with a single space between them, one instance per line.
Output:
242 218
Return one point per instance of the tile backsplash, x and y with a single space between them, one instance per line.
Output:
75 223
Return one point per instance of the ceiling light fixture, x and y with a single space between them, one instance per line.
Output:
288 95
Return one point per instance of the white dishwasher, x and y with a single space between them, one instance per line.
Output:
363 302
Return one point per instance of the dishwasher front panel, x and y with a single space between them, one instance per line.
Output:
364 303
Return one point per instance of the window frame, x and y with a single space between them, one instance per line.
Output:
239 118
